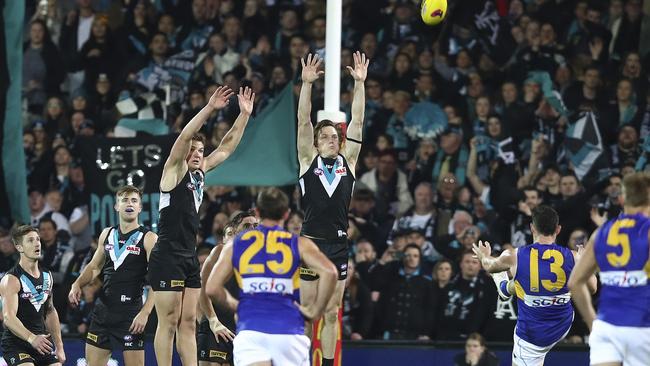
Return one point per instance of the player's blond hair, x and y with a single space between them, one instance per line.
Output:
636 189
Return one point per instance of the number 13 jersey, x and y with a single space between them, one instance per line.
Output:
266 262
543 298
622 254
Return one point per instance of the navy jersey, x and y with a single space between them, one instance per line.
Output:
326 189
622 254
179 215
266 263
34 297
543 298
125 267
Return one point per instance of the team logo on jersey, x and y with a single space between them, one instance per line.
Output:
191 186
218 354
12 360
319 171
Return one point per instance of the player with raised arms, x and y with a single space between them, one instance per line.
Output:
174 272
327 176
540 272
266 263
119 317
619 250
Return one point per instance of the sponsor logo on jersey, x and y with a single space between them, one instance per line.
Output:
133 249
218 354
128 338
177 283
128 344
624 278
267 285
23 356
124 298
545 301
342 171
319 171
92 337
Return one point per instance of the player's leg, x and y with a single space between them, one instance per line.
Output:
96 356
168 309
308 289
607 345
133 358
186 331
330 327
207 363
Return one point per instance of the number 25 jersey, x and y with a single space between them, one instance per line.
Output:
543 298
621 250
266 262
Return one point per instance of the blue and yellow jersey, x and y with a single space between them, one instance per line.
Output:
266 263
543 299
622 254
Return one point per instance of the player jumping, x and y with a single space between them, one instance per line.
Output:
174 272
327 175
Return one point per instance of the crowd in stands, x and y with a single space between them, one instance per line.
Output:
468 127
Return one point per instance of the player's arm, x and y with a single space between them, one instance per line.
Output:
215 288
306 149
581 274
9 288
229 143
140 321
504 262
355 129
318 262
592 282
175 165
92 270
54 328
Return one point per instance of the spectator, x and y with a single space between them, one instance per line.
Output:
294 223
476 353
421 216
626 149
452 156
40 209
8 255
79 317
357 307
390 187
469 302
407 298
42 67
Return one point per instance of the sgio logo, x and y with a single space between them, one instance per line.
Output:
267 285
544 301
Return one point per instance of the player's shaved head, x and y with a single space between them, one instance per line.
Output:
636 189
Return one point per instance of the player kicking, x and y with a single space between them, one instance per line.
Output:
174 272
327 175
540 272
32 334
215 323
620 333
119 317
265 261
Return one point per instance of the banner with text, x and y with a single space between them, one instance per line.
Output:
109 163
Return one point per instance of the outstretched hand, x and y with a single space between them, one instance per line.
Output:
246 97
482 250
360 70
310 72
220 98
